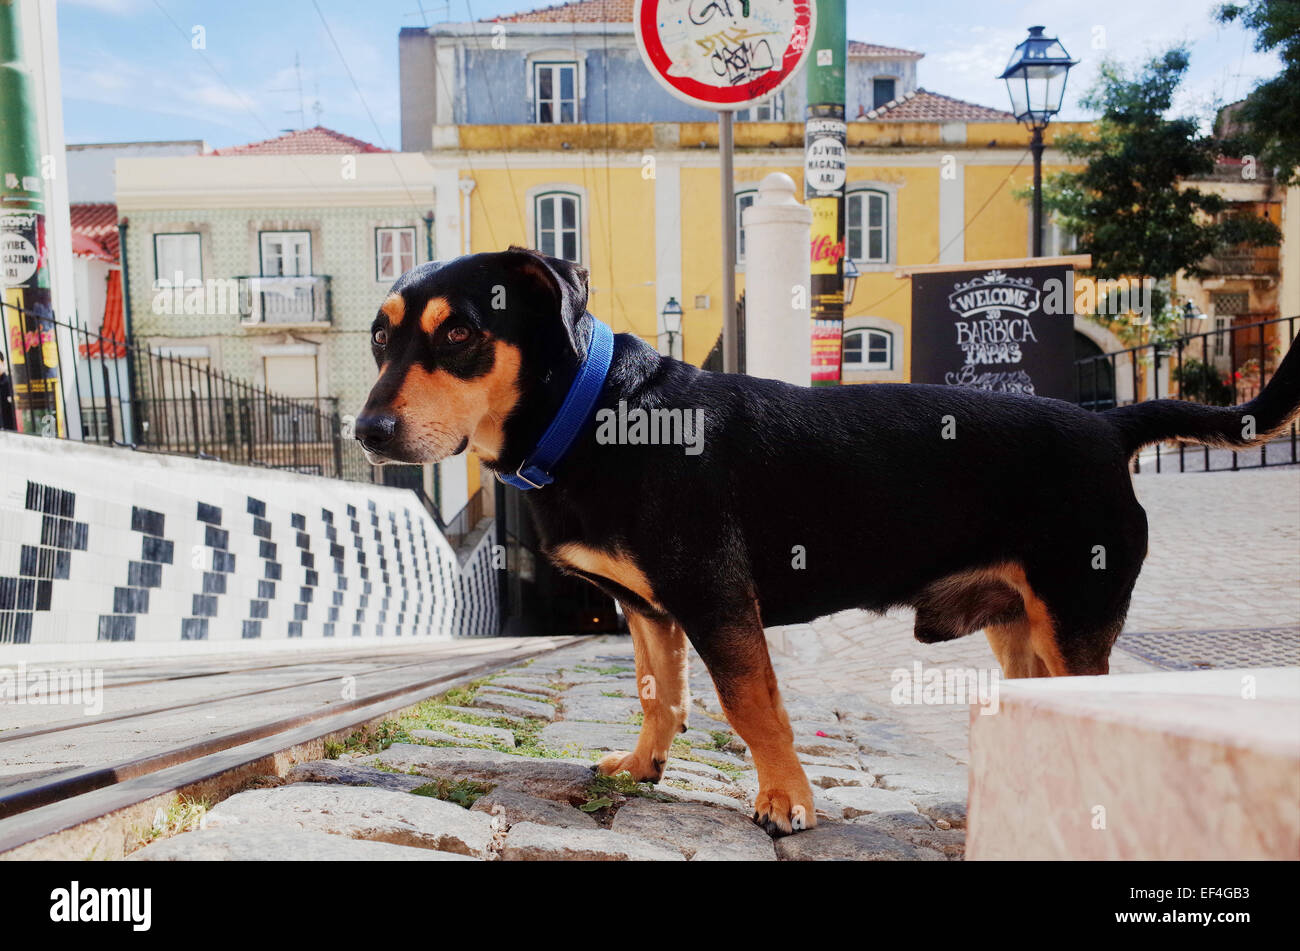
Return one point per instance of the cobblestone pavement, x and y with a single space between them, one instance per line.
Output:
1224 554
503 772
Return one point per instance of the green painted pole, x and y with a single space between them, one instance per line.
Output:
24 259
825 170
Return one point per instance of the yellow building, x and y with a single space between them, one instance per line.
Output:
545 129
930 180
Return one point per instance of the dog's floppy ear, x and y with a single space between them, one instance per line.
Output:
567 284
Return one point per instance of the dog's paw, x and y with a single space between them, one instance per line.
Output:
643 770
781 812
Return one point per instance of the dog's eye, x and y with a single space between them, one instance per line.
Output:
379 338
458 334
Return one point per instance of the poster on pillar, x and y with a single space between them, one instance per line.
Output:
995 329
26 302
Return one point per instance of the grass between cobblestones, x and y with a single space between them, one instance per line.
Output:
462 792
183 815
603 797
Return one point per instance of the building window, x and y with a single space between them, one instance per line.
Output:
291 375
555 93
177 258
286 253
1220 336
867 228
883 92
394 252
743 201
557 216
869 350
769 110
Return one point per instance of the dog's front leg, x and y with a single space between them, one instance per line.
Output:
661 661
735 652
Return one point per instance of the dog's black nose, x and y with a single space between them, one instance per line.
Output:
376 431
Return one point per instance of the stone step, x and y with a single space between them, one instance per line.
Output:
487 700
516 806
531 842
474 731
262 844
488 714
699 832
357 812
351 773
556 779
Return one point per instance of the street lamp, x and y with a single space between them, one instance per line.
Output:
1035 79
672 316
850 280
1192 318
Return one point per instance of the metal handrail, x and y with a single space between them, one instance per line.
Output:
131 396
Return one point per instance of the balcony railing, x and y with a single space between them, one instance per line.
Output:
1244 262
276 301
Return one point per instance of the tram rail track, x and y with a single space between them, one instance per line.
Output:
23 733
114 794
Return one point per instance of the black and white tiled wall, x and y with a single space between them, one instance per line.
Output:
141 548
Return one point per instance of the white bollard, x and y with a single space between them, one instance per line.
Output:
778 279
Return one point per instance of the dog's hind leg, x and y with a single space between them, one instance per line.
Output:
1027 646
662 685
735 651
1011 646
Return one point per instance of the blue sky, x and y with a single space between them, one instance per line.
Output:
130 73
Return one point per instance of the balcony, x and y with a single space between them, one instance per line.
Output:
1244 261
278 302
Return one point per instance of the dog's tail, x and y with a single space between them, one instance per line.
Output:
1225 427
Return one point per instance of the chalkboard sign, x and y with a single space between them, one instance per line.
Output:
986 329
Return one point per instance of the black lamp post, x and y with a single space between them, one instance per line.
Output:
1035 79
672 315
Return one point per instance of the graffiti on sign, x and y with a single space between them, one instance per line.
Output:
723 54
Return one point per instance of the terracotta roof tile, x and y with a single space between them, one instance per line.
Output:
580 11
926 106
315 141
94 229
858 49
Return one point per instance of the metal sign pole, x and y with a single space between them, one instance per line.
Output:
724 57
726 160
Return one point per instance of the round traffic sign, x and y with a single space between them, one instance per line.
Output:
724 54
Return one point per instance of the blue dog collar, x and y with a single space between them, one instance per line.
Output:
535 471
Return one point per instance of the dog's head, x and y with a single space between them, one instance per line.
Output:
476 352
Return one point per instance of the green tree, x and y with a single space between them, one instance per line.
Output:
1130 206
1270 115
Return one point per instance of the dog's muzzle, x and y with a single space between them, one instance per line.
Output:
376 433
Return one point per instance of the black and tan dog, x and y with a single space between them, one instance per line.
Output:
1011 514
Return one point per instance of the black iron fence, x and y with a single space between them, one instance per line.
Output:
1217 366
151 400
713 361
